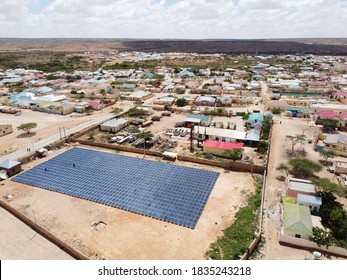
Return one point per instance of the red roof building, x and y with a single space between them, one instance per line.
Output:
326 114
219 147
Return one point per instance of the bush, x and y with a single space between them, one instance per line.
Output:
262 147
276 111
240 234
181 102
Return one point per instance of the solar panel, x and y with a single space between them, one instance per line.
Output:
164 191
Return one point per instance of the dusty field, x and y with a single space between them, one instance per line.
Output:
19 242
127 235
47 125
280 152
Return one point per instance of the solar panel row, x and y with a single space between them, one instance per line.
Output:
163 191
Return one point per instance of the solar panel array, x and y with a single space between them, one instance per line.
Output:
162 191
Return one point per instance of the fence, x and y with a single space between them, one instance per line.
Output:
233 165
254 244
40 230
119 147
308 245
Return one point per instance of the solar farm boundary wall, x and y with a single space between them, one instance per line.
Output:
44 233
233 165
254 244
309 245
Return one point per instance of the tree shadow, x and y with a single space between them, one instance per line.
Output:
281 178
26 135
301 152
324 163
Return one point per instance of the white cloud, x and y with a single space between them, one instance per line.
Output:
175 19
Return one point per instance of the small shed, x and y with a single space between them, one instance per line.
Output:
312 202
297 220
12 167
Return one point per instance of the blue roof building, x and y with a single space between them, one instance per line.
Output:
313 202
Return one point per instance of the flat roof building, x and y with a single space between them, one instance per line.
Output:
296 186
114 125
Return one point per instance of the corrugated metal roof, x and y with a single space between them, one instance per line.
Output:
309 199
115 122
221 132
9 163
301 185
297 219
223 145
200 117
256 116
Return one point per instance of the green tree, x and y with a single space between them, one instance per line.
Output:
327 154
328 124
276 111
180 102
136 113
304 168
116 111
283 168
234 154
262 147
103 92
146 135
322 237
245 116
180 90
27 127
325 185
297 139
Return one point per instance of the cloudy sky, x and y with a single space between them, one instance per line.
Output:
186 19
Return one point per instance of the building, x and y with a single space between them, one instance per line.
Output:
297 220
166 100
140 96
96 105
197 120
5 129
219 148
255 119
205 101
127 87
336 141
296 186
218 134
114 125
297 102
224 101
337 108
253 136
339 167
298 112
280 104
12 167
312 202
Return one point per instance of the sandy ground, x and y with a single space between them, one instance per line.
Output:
47 125
127 235
19 242
280 152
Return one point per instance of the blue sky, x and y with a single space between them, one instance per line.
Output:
186 19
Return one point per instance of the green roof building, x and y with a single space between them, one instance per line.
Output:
297 220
